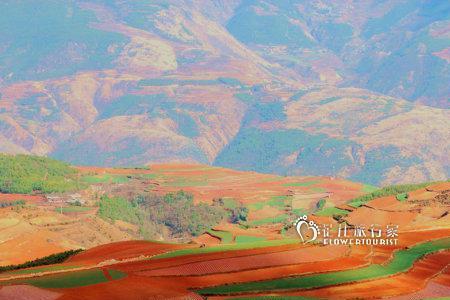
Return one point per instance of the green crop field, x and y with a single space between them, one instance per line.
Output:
305 184
72 209
330 211
402 261
39 270
249 239
274 201
387 191
70 279
116 275
107 178
402 197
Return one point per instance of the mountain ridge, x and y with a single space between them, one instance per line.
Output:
184 83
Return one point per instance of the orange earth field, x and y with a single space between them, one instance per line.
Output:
39 229
152 277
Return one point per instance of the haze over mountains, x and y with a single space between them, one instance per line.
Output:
357 89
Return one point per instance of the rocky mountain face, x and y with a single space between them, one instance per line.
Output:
357 89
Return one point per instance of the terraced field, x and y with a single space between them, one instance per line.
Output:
259 258
285 269
401 262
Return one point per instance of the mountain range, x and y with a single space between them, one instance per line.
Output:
355 89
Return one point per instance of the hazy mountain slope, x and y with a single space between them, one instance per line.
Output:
397 47
128 83
388 141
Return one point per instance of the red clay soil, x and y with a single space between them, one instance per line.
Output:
247 187
412 281
389 203
28 246
252 262
139 287
131 287
273 272
380 217
439 187
27 198
436 287
123 250
26 292
207 239
177 287
181 260
444 277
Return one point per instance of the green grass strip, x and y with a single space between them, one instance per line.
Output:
107 178
402 261
387 191
39 270
249 239
72 209
331 211
306 183
69 279
116 275
402 197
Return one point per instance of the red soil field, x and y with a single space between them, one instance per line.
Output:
123 250
26 292
180 260
380 217
436 287
207 239
269 231
344 263
291 257
444 277
15 197
28 246
413 280
133 287
137 287
247 187
439 187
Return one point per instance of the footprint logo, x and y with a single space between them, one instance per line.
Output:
310 226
